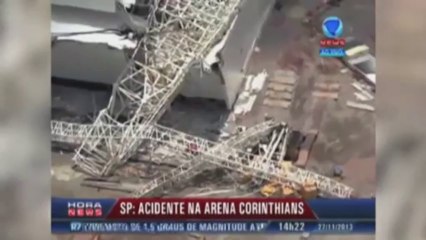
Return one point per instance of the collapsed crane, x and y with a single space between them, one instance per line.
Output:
225 156
194 166
178 35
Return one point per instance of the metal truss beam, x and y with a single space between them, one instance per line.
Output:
207 151
179 34
194 166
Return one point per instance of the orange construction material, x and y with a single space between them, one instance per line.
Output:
309 190
269 189
288 191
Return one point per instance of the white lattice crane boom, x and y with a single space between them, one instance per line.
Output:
179 34
194 166
225 156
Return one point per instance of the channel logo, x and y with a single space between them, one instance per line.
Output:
332 27
83 209
332 45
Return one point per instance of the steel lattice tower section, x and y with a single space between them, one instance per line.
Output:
194 165
179 34
224 156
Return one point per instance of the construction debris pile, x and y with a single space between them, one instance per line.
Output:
246 99
286 148
364 97
276 143
272 146
307 191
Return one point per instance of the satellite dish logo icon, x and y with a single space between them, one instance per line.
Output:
332 27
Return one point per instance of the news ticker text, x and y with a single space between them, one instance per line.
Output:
212 227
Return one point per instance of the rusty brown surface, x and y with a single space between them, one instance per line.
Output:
306 148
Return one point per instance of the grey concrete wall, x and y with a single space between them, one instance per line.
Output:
205 85
78 101
240 44
87 62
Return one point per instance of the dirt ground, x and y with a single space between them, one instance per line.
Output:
346 136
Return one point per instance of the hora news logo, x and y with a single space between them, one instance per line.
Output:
84 209
332 45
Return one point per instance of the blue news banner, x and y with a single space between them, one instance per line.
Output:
335 216
219 227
